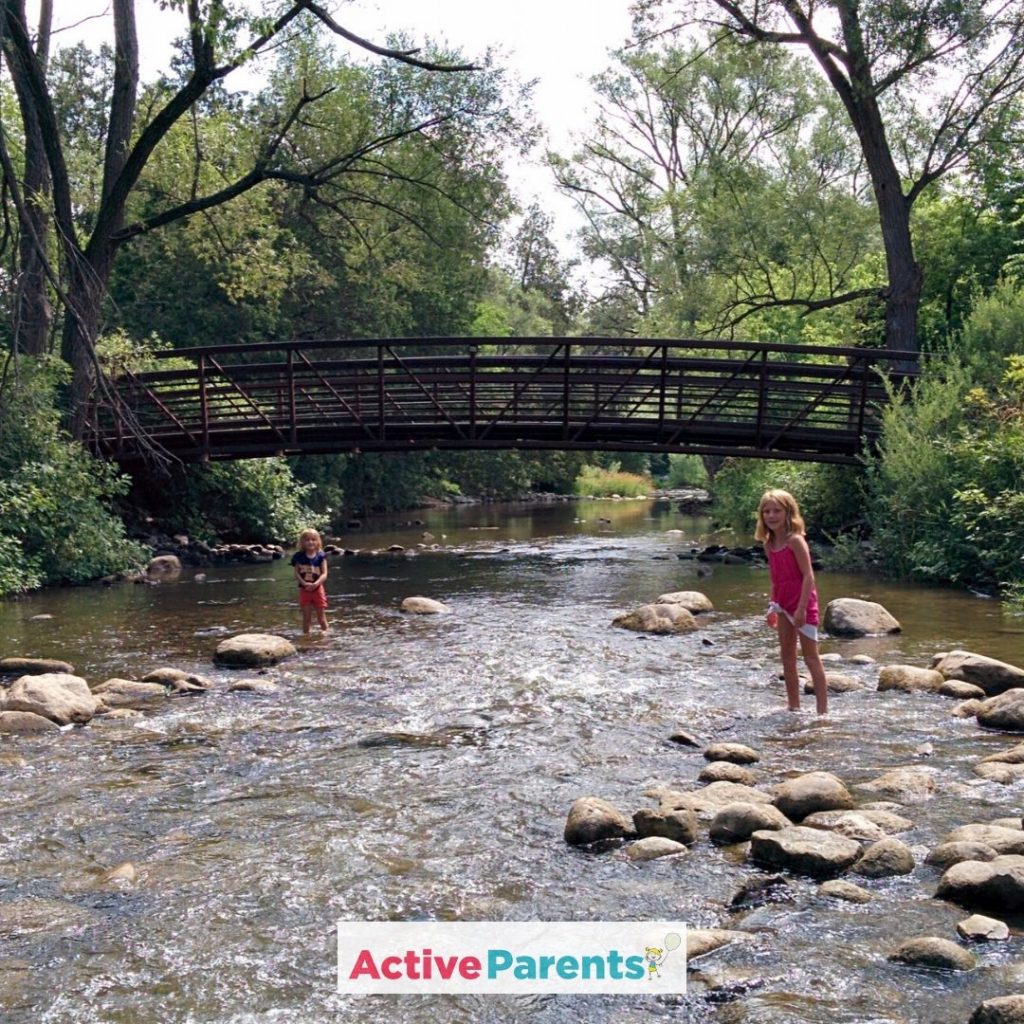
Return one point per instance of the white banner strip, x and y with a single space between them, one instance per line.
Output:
511 957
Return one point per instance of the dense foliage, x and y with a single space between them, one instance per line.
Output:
723 191
56 520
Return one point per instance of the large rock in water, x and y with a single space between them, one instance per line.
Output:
945 855
34 667
657 618
680 826
692 600
997 884
738 753
885 858
654 847
998 837
423 606
737 822
931 951
805 851
909 679
25 723
707 802
994 677
1000 1010
592 819
907 785
126 693
849 616
815 791
61 697
250 650
1005 712
167 566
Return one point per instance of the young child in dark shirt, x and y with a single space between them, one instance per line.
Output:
310 565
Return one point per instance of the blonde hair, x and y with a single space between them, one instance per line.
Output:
310 535
794 521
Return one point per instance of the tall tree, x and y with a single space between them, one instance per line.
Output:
684 180
922 84
220 38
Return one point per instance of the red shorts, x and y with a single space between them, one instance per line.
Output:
313 598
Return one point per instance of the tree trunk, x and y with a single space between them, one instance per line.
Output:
33 315
87 286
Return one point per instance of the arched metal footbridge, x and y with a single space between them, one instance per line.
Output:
704 397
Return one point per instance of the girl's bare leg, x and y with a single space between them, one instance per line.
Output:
809 649
307 619
321 618
790 672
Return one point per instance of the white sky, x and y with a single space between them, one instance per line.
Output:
561 43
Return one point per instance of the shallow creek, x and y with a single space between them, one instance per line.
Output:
255 822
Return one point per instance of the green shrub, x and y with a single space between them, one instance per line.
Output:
18 573
686 471
993 331
911 478
56 523
947 488
254 499
594 482
831 498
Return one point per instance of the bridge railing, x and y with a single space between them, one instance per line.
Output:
708 397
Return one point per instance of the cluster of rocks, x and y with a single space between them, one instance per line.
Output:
44 695
989 690
810 825
724 555
179 550
40 695
844 617
670 613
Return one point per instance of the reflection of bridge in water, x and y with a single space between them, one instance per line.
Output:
704 397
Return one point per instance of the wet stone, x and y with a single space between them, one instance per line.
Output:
805 851
726 771
908 785
934 952
25 723
423 606
680 826
653 848
839 889
737 822
737 753
886 858
657 619
945 855
684 738
1000 1010
592 819
33 666
978 928
997 884
806 794
253 650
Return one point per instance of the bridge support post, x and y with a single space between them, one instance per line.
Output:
565 391
472 391
204 410
762 399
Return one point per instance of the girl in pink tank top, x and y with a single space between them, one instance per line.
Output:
793 604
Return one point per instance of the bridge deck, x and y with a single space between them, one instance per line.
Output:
785 401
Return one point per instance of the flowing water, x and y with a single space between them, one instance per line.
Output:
422 767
